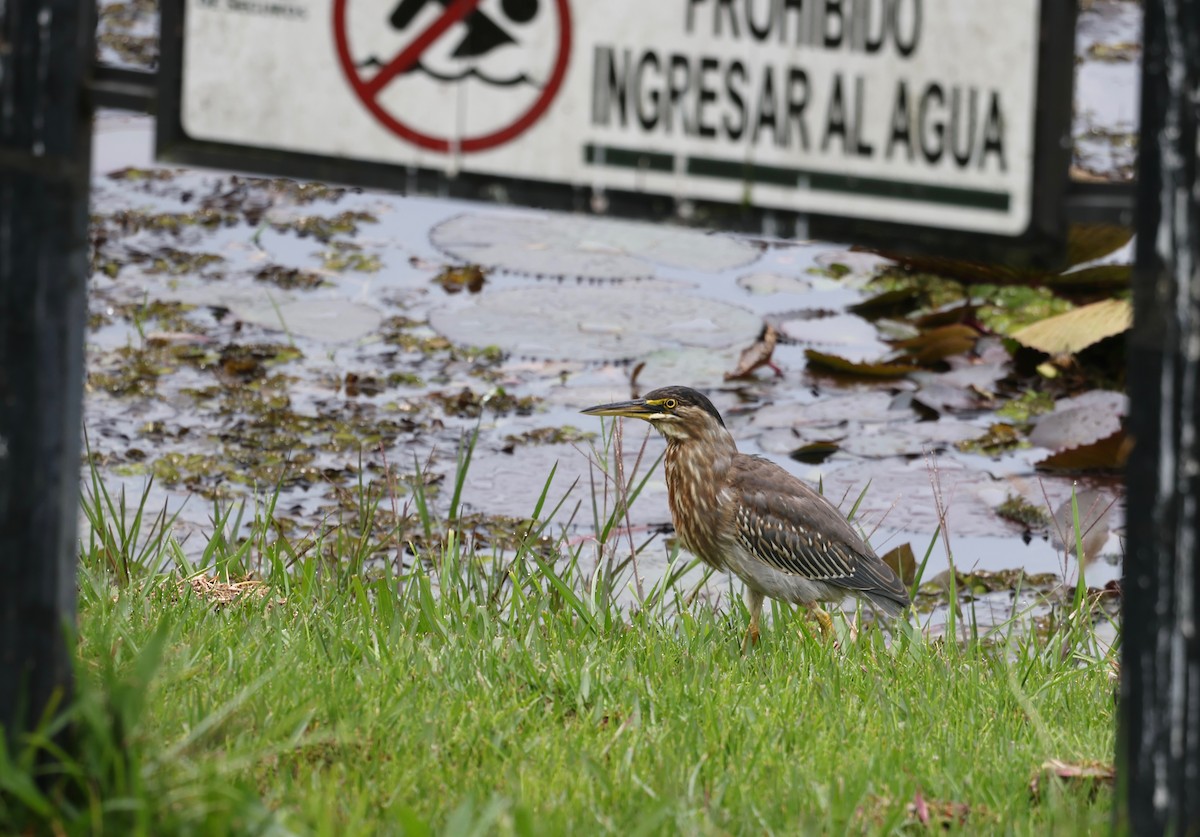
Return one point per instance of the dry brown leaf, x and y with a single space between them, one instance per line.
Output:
903 563
1104 277
815 453
946 315
455 279
1107 454
757 355
862 369
1075 330
1085 243
892 303
1092 775
220 593
939 343
938 813
1088 242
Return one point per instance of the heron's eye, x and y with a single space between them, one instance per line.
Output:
670 404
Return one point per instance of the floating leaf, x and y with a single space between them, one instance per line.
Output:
814 453
1008 308
1088 242
594 324
1094 507
774 283
960 270
939 343
1102 277
1107 454
863 405
587 248
454 280
893 303
820 328
1074 331
1000 437
950 314
757 355
1120 51
863 369
289 278
1021 511
1079 421
1085 243
903 563
1027 406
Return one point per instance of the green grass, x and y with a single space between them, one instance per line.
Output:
511 695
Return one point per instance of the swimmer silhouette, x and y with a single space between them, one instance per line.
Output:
483 33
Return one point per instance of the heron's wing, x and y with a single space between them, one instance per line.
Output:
787 525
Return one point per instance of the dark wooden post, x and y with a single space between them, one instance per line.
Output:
1159 737
45 163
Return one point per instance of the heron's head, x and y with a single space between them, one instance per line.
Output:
677 412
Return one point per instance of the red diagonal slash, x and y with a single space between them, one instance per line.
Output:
455 12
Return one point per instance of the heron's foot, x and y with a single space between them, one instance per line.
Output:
825 621
751 637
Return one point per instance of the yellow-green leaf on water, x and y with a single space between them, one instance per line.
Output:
1009 308
1075 330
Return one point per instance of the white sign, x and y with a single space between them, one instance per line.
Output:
911 111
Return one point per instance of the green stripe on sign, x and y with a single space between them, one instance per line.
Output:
730 170
916 192
628 158
600 155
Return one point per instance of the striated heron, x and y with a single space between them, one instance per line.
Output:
746 515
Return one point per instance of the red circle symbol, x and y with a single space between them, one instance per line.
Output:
368 90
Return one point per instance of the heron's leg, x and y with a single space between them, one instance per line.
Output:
824 620
754 600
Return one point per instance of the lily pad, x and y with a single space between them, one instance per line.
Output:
1094 523
701 368
774 283
899 495
594 324
588 248
1079 421
863 406
327 320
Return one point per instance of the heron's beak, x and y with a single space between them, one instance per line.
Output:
628 409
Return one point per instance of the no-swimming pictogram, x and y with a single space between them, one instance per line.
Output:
454 75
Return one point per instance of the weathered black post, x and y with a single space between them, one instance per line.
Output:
45 155
1159 736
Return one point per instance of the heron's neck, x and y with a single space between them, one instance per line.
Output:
696 469
699 461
